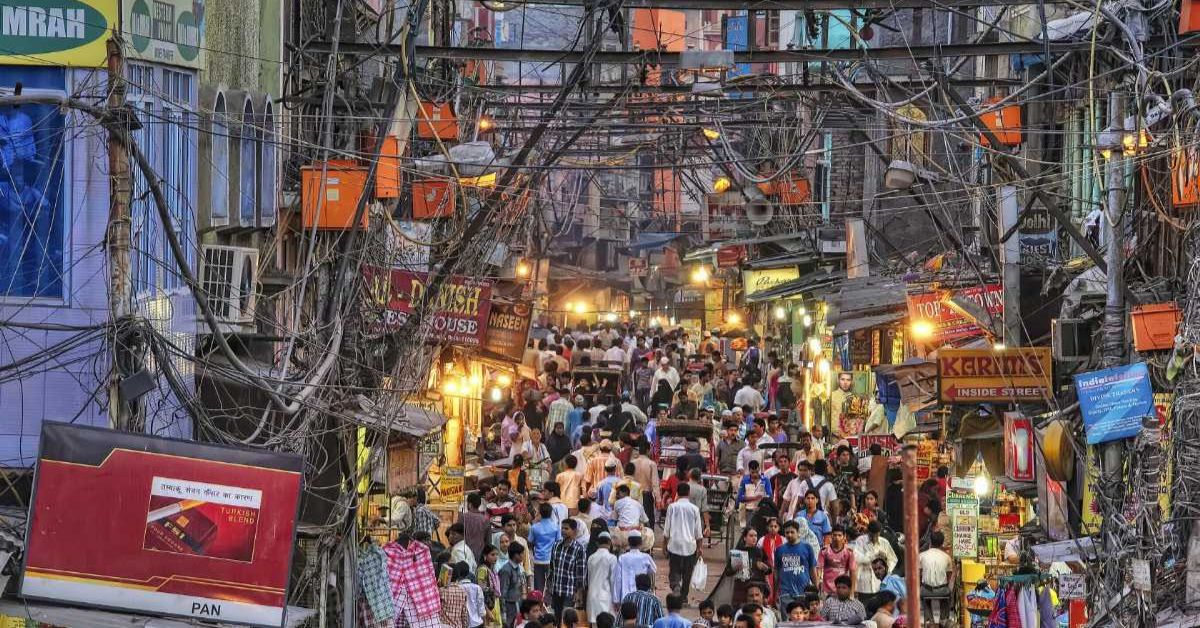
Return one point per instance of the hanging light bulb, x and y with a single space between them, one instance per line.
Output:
781 313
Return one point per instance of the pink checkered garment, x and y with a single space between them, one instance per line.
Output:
410 572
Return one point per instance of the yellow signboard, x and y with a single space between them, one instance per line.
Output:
56 32
989 375
755 281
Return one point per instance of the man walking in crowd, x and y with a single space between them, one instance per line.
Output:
794 563
682 531
649 609
568 570
841 608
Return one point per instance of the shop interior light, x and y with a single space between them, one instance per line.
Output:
655 322
581 308
802 310
504 380
807 320
523 269
450 387
611 317
700 275
814 345
922 330
781 313
497 395
983 485
733 318
999 346
672 321
569 306
823 366
486 124
632 313
476 381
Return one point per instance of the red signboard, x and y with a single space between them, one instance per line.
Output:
170 527
1019 442
459 310
948 323
730 256
638 266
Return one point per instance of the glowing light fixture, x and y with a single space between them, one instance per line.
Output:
581 308
523 268
781 313
611 317
711 134
807 320
814 345
504 380
733 318
722 184
486 124
700 275
922 329
497 395
999 346
982 485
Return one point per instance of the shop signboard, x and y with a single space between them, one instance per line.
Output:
948 323
460 309
446 485
639 267
508 329
1019 456
162 526
963 509
1114 401
166 31
1072 586
56 32
730 256
994 376
755 281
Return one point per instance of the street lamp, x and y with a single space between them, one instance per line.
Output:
523 269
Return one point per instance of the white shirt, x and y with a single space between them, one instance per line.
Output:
629 513
614 355
560 512
935 564
669 374
460 553
797 488
865 552
683 527
746 455
637 413
631 563
475 606
748 396
595 411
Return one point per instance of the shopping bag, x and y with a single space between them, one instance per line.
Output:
700 575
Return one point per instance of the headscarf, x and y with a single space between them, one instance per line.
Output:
558 446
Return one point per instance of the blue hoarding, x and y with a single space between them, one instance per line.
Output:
1114 401
737 39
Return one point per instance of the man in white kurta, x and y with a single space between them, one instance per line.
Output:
631 563
601 566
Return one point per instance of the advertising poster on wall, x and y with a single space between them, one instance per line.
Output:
1114 401
56 32
949 323
184 528
963 509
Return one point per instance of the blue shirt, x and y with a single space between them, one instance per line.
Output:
746 481
574 421
604 489
673 621
895 584
819 524
794 566
542 537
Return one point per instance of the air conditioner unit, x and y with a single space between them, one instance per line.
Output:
1071 339
229 278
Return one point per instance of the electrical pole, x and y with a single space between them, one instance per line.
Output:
912 538
1113 344
120 188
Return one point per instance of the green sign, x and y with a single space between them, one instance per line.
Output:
55 32
963 510
165 31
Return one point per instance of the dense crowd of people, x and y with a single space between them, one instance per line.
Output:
564 522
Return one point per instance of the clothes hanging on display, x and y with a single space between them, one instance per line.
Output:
375 603
414 588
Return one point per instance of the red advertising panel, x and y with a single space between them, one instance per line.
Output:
948 323
460 308
164 526
508 329
730 256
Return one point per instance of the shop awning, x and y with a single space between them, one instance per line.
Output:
405 417
653 240
56 615
848 325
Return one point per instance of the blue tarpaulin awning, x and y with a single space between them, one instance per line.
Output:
653 240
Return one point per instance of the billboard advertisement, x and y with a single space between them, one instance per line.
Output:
948 323
166 31
460 308
508 329
755 281
988 375
163 526
56 32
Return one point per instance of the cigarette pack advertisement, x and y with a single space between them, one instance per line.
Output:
172 527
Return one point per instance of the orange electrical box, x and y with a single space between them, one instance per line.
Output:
388 175
330 193
437 121
794 191
1185 177
1155 326
1005 123
1189 16
432 198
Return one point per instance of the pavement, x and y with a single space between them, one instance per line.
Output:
714 557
